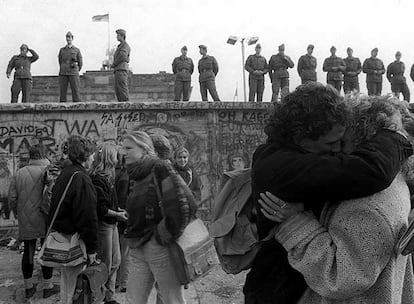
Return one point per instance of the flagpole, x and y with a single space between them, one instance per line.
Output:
109 38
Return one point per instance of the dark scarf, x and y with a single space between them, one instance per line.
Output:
141 168
185 172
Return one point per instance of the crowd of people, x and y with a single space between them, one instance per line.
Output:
330 189
112 204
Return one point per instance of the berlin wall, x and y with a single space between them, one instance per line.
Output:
212 132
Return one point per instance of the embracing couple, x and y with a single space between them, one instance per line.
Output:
330 187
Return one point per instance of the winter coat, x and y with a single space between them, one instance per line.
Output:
26 197
145 217
191 179
106 198
78 210
349 255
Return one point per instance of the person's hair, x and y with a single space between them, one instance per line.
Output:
370 114
181 150
105 160
142 139
37 152
308 112
79 148
162 146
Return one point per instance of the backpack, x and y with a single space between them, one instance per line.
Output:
233 224
90 285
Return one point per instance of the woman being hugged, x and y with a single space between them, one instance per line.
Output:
77 214
151 226
102 174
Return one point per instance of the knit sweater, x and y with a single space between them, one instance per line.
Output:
349 255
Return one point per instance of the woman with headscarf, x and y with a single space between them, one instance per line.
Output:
153 222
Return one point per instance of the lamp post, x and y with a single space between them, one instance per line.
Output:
250 40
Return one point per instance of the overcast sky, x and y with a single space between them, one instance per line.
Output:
156 30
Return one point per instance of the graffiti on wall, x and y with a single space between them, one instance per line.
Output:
212 137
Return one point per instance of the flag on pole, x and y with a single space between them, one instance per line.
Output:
101 18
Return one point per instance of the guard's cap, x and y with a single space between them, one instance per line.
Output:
311 46
258 46
121 32
398 53
349 49
184 48
374 50
333 48
202 46
281 47
69 34
24 46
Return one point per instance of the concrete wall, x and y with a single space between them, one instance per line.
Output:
99 86
212 132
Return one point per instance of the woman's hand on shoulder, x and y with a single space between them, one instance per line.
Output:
276 209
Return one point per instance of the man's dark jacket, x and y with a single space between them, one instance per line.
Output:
294 175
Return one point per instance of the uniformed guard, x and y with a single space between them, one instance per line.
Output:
70 61
208 69
335 67
352 70
121 66
395 75
374 68
22 77
307 66
183 68
278 73
256 65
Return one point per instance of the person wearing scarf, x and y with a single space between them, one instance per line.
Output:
181 164
151 227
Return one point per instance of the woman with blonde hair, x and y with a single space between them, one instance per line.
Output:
159 207
102 174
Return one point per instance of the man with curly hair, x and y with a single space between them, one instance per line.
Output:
301 162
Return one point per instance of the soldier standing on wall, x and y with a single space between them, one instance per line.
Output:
395 75
279 76
352 70
121 66
183 68
208 69
335 67
374 68
70 61
307 66
22 76
256 65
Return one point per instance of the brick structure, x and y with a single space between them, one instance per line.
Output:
99 86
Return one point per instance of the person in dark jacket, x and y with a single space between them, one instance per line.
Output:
77 213
181 164
103 177
183 68
374 68
149 229
70 62
352 70
335 67
22 77
208 69
256 65
302 152
307 66
395 75
121 66
26 201
278 73
122 187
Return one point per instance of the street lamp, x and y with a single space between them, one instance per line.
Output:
250 40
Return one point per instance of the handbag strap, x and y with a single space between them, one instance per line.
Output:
60 203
